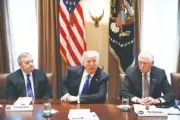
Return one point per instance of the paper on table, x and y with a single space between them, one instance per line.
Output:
170 111
121 106
1 105
152 111
74 111
138 107
23 101
82 114
53 111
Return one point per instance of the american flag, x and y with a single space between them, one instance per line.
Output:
119 21
72 31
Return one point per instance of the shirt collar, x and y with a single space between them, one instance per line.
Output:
85 73
25 74
148 73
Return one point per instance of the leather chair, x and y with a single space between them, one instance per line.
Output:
121 75
175 82
3 78
121 79
50 77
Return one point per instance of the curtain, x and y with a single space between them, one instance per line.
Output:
4 56
178 65
48 40
137 29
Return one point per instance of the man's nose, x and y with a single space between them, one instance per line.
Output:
91 63
31 63
142 65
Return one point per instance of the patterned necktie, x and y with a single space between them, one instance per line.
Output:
29 88
145 86
86 86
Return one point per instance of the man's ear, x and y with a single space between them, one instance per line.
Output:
19 64
152 63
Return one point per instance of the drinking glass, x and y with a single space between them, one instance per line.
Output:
125 101
47 109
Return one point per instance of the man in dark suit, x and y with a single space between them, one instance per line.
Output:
73 83
27 81
157 83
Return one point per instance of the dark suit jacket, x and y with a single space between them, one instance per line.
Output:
97 90
132 85
15 86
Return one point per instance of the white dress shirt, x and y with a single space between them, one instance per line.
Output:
83 80
134 99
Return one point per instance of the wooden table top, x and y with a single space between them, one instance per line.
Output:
107 111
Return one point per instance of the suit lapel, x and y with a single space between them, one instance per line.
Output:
95 80
21 84
138 81
35 82
152 81
78 77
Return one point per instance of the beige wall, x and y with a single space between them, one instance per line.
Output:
98 37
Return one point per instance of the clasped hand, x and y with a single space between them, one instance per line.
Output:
69 98
148 101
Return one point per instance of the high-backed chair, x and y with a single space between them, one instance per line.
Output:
121 79
175 82
3 79
121 75
50 77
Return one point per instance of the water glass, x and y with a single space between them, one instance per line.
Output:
47 109
125 101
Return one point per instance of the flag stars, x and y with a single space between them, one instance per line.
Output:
121 45
69 8
67 2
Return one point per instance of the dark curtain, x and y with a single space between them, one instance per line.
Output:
4 56
48 37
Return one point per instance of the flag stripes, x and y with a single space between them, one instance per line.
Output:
72 41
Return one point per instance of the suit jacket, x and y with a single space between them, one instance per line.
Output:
15 86
97 90
132 85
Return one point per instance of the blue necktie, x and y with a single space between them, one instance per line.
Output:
29 88
86 86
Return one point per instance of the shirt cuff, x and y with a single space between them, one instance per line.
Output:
78 99
162 100
134 99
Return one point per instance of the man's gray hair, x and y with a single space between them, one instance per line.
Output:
90 53
23 55
146 55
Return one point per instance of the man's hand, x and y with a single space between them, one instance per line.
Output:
151 101
71 98
148 101
140 101
64 98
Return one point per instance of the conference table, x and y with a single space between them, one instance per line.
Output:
106 111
